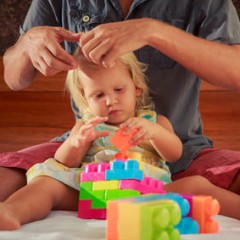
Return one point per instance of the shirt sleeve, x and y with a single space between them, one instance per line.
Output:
42 13
220 22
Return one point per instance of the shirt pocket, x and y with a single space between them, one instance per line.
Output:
85 20
153 57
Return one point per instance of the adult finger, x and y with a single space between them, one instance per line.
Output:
57 52
67 35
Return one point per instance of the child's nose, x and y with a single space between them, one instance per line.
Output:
111 100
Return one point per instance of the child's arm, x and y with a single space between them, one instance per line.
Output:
160 134
76 146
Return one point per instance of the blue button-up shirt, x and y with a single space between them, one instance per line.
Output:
175 90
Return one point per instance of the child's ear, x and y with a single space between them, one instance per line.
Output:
138 92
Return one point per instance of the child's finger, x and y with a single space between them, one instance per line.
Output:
102 134
139 136
96 120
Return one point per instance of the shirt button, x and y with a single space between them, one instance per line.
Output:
86 18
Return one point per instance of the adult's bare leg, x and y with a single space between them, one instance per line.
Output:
235 185
12 179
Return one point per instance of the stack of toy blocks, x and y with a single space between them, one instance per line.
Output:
110 181
145 211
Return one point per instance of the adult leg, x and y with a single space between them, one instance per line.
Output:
198 185
11 180
235 185
34 202
221 167
14 166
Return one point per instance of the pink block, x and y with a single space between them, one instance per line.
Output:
147 185
189 198
86 212
94 172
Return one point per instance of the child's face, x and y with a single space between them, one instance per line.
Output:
110 92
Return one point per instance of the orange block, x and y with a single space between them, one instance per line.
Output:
112 220
121 141
203 209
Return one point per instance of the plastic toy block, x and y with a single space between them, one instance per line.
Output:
86 212
203 208
183 204
112 220
85 194
94 172
119 194
121 140
106 185
188 226
86 185
120 157
148 220
97 197
124 170
163 216
146 186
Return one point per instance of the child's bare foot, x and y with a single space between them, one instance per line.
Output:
7 219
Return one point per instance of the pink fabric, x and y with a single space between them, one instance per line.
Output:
27 157
217 165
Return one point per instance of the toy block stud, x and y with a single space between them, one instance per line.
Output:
121 140
124 170
147 185
94 172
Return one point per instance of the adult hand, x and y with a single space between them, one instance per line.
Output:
105 43
43 47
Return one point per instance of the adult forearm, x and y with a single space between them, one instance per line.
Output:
18 69
214 62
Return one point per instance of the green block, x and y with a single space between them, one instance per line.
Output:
158 221
119 194
97 197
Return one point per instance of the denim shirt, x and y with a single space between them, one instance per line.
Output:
175 90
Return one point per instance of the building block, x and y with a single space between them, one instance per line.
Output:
106 185
86 212
148 220
124 170
187 225
203 209
121 140
147 185
120 194
94 172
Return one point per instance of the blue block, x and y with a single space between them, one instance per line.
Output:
124 170
183 203
188 226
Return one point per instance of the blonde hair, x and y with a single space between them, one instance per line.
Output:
136 69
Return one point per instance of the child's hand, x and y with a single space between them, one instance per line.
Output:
87 133
144 126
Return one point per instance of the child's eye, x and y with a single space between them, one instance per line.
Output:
100 95
118 89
